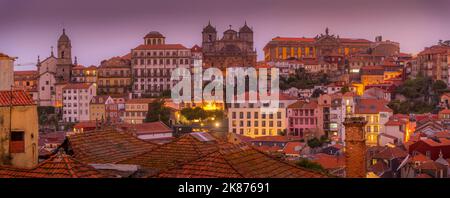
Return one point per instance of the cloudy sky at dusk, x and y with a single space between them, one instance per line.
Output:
102 29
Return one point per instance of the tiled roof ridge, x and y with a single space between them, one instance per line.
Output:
153 149
295 166
226 161
283 161
122 133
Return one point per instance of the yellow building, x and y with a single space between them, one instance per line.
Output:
371 75
83 74
19 135
136 110
376 114
97 107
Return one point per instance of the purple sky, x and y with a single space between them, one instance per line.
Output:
102 29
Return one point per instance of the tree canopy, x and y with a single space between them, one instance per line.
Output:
157 111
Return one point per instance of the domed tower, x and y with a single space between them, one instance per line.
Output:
246 33
64 49
209 36
230 34
154 38
64 59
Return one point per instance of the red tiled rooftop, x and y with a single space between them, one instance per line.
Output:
59 165
297 39
293 148
329 161
276 138
303 105
371 106
19 98
432 165
78 86
161 47
140 101
147 128
26 73
182 150
390 153
106 146
239 161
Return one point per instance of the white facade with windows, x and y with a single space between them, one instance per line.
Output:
76 99
153 63
249 119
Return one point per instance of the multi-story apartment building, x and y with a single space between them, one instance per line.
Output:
302 119
136 110
114 76
25 80
99 106
152 64
434 62
376 114
19 128
76 99
371 75
249 119
82 74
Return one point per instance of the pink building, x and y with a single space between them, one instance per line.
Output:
302 119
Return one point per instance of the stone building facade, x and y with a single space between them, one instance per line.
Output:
234 49
329 48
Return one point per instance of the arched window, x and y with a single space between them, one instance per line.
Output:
62 54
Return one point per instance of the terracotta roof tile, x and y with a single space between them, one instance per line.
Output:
107 146
276 138
78 86
19 98
432 165
391 153
59 165
239 161
146 128
182 150
140 101
293 148
303 105
371 106
161 47
329 161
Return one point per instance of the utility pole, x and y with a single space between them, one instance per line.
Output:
10 110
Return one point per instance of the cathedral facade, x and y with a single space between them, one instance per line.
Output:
234 49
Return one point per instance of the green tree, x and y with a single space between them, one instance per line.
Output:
305 163
196 113
157 111
316 93
345 89
314 143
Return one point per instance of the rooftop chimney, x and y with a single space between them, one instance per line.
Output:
355 147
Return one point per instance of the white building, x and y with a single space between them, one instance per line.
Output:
287 67
248 119
153 62
46 89
76 99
